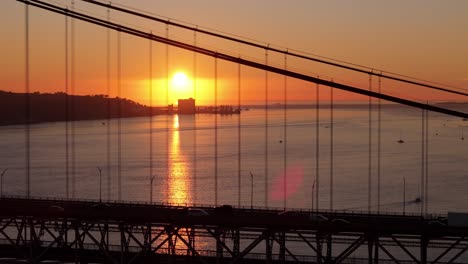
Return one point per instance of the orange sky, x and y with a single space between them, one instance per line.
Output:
398 37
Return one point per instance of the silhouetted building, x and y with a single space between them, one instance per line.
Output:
186 106
170 109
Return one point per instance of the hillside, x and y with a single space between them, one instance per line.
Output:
45 107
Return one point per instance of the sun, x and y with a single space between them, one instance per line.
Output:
181 86
180 80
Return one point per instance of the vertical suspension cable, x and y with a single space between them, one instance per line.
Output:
239 155
216 128
108 125
331 146
379 142
369 172
426 185
67 124
27 105
422 194
119 115
150 127
285 130
108 102
266 130
72 105
167 117
194 173
317 145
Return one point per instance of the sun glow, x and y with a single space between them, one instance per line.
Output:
181 86
180 79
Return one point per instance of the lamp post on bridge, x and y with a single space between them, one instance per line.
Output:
100 184
251 191
1 181
404 195
313 191
151 188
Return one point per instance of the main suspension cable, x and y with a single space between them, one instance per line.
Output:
253 64
366 70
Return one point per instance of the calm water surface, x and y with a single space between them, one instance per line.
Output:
193 156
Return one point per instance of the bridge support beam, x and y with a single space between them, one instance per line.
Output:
123 243
373 248
370 249
423 247
268 249
191 242
282 247
376 250
236 242
319 242
329 257
32 238
219 245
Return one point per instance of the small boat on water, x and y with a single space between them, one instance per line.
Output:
400 141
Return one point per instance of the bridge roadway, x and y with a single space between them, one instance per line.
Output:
336 221
355 229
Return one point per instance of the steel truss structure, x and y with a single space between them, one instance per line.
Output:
105 241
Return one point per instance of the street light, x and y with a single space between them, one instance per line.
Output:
313 191
151 188
1 181
404 195
251 191
100 184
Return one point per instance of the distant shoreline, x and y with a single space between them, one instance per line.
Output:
60 107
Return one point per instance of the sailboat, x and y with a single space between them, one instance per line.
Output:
400 140
280 140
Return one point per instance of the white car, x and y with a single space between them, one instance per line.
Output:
197 212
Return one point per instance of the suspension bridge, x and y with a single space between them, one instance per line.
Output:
320 181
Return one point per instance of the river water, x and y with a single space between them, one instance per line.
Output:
208 159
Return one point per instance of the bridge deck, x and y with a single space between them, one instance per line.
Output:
323 221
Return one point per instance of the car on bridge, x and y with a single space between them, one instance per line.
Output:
223 210
317 218
197 212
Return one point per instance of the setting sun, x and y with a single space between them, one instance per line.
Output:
181 86
180 79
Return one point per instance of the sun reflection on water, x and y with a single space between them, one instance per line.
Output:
179 170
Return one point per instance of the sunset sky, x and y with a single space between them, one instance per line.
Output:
423 39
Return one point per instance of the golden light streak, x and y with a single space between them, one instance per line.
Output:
179 171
